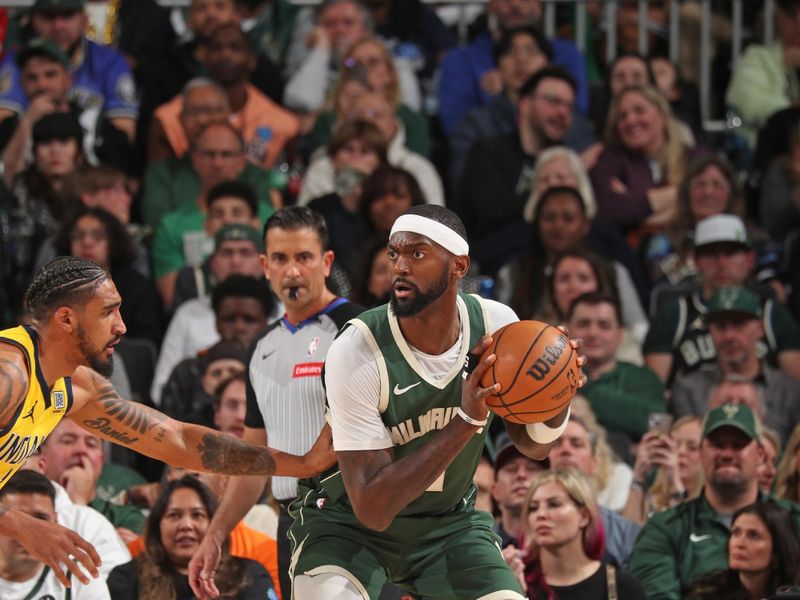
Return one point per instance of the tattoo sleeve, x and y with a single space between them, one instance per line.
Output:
12 386
123 421
222 453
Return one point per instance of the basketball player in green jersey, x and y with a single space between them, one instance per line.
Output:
408 432
55 367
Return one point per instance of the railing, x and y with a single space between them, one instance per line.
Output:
609 25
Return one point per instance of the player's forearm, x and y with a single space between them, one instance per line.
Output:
530 448
210 450
239 497
377 500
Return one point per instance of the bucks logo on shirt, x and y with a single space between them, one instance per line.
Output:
414 406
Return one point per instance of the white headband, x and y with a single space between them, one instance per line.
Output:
441 234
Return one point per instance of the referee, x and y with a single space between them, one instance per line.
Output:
285 397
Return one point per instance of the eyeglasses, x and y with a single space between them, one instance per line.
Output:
556 102
96 235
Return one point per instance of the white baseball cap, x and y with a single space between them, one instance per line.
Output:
721 229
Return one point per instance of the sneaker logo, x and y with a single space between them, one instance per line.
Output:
398 391
693 537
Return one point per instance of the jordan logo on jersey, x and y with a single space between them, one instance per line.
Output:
29 414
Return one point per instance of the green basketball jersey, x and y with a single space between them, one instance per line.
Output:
414 407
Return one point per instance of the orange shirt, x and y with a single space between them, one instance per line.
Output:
245 543
258 111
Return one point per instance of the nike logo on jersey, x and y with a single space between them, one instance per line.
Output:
693 537
398 391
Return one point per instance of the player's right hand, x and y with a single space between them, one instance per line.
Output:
473 396
55 546
202 568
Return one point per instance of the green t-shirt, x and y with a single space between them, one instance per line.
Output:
181 238
623 398
128 517
172 183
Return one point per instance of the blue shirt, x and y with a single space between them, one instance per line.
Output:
101 84
460 84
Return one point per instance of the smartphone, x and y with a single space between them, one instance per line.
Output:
660 422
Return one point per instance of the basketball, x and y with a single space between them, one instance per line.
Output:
536 368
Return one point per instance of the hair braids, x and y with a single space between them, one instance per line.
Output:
65 280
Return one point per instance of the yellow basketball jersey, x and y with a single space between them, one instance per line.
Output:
38 414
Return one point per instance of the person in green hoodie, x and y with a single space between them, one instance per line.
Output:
691 539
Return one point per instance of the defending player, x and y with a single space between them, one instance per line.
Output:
55 367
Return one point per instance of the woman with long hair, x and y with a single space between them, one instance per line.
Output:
637 175
367 66
563 543
679 475
97 235
763 554
38 203
710 188
177 523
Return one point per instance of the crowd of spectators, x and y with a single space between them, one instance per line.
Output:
157 143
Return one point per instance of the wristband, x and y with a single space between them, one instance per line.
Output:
542 434
639 486
470 420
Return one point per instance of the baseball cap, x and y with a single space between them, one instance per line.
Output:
736 300
237 231
721 229
41 47
219 351
739 416
62 5
506 451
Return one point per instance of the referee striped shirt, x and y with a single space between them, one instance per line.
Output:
285 395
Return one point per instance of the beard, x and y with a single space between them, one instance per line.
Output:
729 485
93 358
408 307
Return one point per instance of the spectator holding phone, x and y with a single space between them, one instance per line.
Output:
671 453
688 540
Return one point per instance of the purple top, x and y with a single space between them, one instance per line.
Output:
627 210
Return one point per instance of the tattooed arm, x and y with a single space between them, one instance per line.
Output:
99 409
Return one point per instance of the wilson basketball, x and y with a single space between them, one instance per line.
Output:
536 368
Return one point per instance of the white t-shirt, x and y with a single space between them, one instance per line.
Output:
94 528
352 381
52 589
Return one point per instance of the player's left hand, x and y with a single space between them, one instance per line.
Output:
321 457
